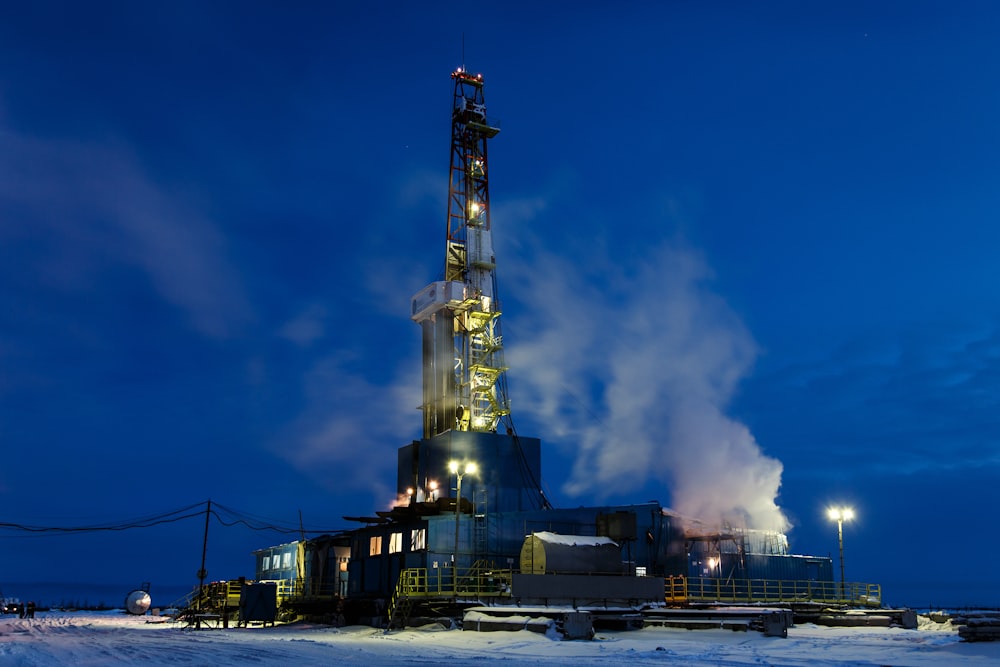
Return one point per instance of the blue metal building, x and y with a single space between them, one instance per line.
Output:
312 567
508 478
501 505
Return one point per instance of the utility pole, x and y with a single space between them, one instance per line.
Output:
202 573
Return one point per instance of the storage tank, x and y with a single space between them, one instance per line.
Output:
137 602
570 554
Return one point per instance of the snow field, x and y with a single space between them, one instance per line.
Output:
93 639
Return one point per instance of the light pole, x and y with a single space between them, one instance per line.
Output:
840 515
459 471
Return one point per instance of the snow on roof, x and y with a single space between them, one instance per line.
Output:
574 540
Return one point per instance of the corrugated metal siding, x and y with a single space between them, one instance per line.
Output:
789 568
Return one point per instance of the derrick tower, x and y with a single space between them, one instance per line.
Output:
464 387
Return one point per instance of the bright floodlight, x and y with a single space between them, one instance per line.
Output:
459 472
457 468
840 513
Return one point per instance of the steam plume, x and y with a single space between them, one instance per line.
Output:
635 368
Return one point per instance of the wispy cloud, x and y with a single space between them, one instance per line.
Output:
347 434
85 207
360 402
307 327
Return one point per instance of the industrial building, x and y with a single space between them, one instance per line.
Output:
475 527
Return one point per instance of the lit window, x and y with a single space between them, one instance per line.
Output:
395 543
286 559
640 570
265 563
418 539
375 546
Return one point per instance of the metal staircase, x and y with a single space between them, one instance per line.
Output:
401 603
420 586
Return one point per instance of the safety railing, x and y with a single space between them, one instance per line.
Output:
680 589
415 584
293 589
221 594
478 581
217 595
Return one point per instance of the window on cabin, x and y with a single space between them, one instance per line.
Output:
395 543
286 559
418 539
375 546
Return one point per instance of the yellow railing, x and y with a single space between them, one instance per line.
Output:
478 581
220 594
682 589
419 583
289 589
217 595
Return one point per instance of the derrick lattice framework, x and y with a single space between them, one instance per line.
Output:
463 374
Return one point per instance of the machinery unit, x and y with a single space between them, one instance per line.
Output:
570 554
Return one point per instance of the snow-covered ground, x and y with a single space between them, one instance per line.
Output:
91 639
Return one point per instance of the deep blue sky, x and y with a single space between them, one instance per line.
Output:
769 225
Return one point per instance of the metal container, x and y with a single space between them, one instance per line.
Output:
570 554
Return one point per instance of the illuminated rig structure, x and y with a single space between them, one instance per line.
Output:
475 526
463 387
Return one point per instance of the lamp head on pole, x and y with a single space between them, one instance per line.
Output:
456 468
840 513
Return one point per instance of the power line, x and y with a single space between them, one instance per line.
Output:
128 524
228 518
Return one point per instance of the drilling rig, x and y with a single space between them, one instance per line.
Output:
464 387
464 397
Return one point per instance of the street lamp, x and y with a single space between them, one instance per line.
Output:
840 515
460 471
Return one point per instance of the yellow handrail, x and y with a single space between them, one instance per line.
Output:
679 589
478 581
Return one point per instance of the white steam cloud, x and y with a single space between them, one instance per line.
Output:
634 368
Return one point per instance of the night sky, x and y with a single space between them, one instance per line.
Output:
739 245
